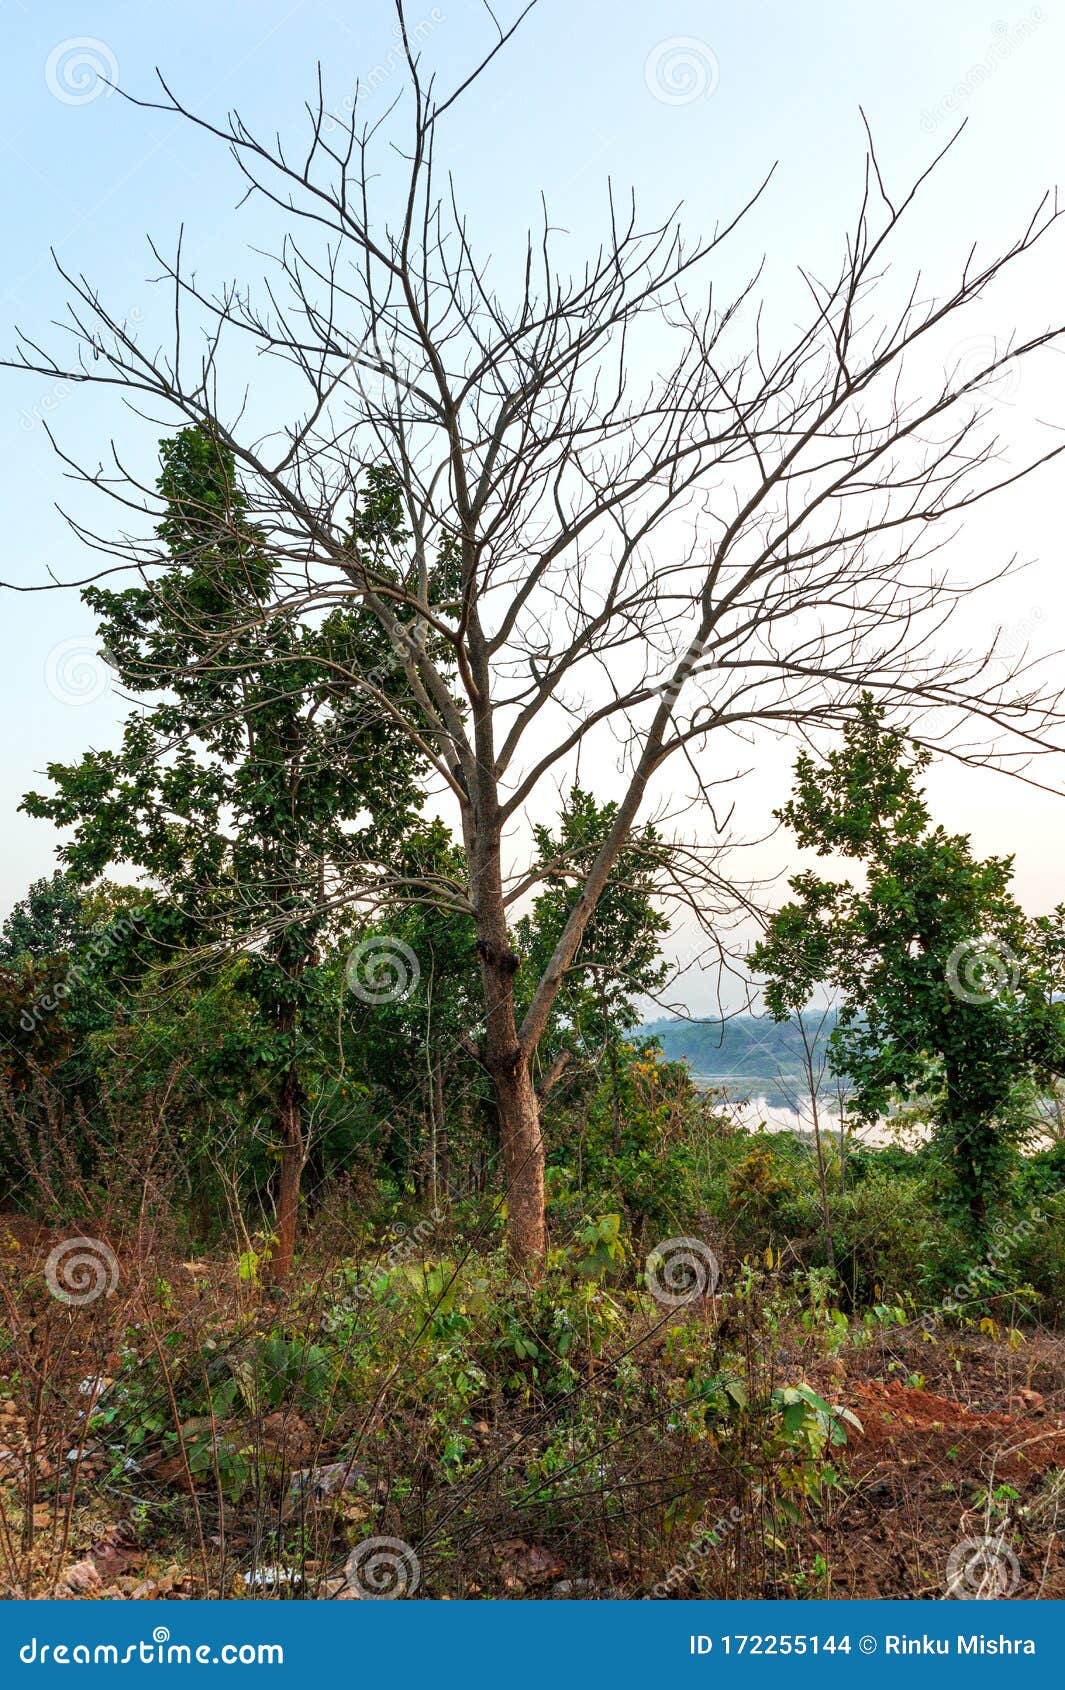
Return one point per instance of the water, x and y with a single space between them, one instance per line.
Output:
773 1112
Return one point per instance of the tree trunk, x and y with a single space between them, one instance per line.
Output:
517 1107
290 1122
443 1149
969 1147
523 1164
505 1057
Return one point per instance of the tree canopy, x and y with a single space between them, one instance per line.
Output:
948 991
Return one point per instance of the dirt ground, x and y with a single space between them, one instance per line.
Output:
975 1450
962 1440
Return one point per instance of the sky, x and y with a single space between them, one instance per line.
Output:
684 101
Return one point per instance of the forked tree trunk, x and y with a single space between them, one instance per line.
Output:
290 1122
508 1051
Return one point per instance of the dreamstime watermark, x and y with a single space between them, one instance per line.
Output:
1005 1241
159 1652
51 999
681 1270
407 1244
122 1531
681 69
1012 641
986 368
690 664
81 1270
380 73
979 970
982 1569
382 969
80 69
382 1569
32 417
77 671
375 374
1007 39
714 1539
381 673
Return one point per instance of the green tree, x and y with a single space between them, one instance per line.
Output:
255 790
47 922
75 953
619 957
414 1052
947 988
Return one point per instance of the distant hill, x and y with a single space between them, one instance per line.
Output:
750 1054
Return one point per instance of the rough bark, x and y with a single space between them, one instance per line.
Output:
506 1057
517 1107
523 1164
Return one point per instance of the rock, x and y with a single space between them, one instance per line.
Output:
268 1577
1025 1401
12 1466
318 1484
117 1551
527 1563
95 1387
83 1579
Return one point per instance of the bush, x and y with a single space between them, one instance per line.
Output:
889 1240
1039 1260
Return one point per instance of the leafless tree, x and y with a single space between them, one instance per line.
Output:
672 528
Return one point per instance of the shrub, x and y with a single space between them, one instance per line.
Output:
889 1240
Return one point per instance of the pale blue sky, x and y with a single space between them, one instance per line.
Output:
572 101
